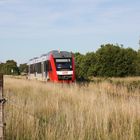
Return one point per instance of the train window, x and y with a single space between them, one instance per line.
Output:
32 68
63 64
29 69
38 67
47 66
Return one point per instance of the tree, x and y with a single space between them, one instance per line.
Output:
85 65
79 58
106 58
113 60
138 63
1 67
126 65
89 64
10 68
23 68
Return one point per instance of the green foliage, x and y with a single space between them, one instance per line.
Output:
9 68
138 64
108 61
79 66
115 61
1 68
89 63
23 68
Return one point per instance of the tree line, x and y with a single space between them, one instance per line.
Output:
11 68
108 61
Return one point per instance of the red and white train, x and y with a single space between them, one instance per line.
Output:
56 66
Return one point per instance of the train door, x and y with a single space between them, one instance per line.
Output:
46 70
42 70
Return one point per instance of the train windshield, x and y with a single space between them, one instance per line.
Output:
63 64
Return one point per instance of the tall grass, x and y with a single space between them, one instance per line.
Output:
46 111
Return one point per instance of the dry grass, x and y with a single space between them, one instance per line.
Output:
47 111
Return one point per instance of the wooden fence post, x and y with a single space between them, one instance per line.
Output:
2 101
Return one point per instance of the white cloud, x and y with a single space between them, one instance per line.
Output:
76 17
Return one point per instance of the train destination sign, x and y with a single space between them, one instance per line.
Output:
63 60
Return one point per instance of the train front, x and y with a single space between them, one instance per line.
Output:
64 67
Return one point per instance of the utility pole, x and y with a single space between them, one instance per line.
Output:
2 101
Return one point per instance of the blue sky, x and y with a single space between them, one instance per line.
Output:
29 28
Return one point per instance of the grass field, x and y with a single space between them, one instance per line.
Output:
106 109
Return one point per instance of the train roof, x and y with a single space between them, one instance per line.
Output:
55 53
33 58
60 54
